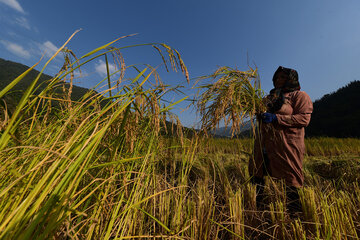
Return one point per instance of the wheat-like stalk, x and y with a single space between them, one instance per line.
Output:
233 96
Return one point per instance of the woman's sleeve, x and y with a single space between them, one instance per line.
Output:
302 109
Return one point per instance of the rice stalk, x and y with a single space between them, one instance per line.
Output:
53 178
233 96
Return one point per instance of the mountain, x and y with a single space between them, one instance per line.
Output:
10 70
226 131
337 114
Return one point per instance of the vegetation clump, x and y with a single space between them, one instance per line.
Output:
232 96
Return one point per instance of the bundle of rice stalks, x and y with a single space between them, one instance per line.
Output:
54 151
233 96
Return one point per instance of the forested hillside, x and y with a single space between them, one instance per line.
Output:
10 70
337 114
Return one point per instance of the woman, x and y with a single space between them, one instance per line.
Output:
279 149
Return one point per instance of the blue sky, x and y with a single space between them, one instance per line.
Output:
320 39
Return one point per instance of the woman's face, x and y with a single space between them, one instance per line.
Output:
280 80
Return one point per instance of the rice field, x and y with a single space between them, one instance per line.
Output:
110 167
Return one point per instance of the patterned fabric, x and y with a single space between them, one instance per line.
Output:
276 96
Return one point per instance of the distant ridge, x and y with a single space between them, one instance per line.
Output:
337 114
10 70
225 132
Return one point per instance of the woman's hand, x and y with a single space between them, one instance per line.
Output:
268 117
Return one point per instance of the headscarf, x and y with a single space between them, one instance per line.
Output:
276 96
